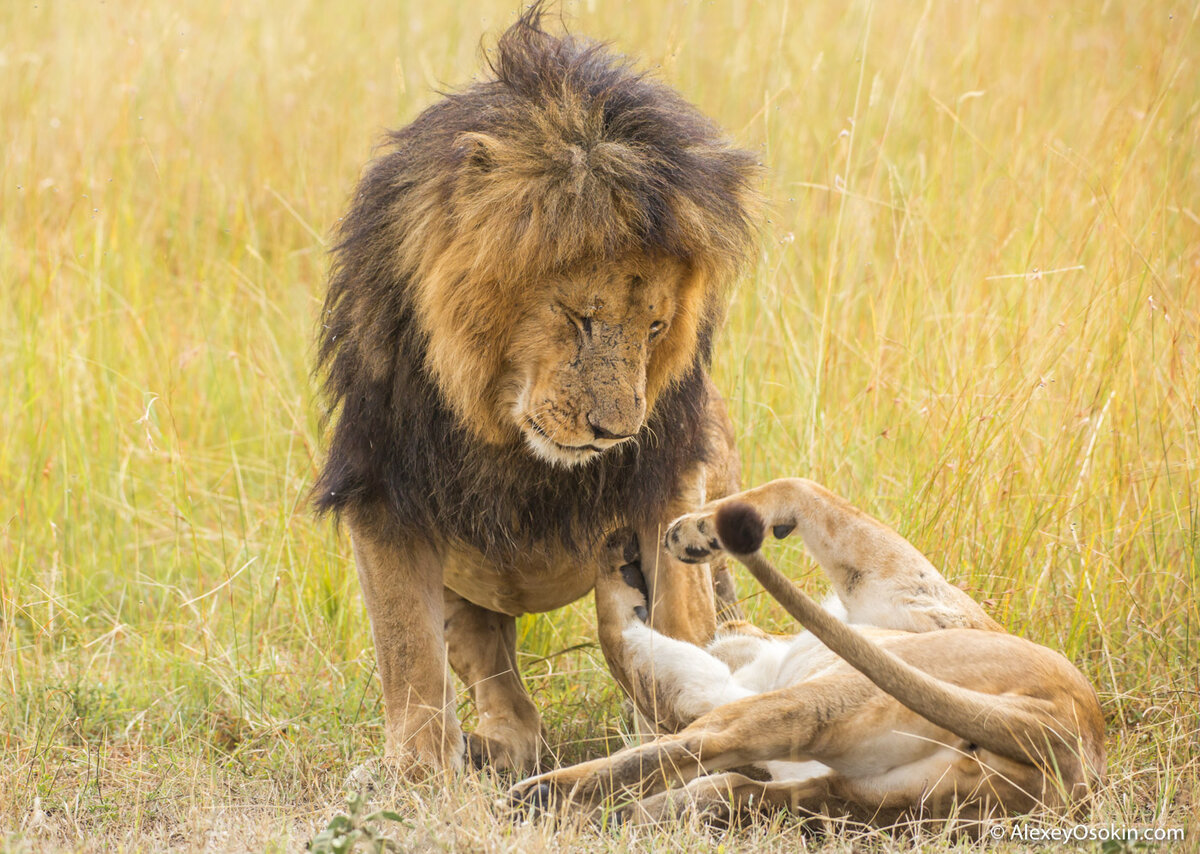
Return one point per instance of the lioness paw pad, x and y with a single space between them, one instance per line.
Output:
692 539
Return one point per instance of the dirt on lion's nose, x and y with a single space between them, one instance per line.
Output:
616 418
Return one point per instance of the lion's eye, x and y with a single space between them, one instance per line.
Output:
657 328
582 324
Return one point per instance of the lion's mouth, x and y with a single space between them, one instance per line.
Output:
556 452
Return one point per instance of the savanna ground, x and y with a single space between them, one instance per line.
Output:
975 313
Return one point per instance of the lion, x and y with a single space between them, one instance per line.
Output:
514 347
904 701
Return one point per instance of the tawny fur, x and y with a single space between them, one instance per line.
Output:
910 703
514 347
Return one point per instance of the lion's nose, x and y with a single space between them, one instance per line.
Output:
602 432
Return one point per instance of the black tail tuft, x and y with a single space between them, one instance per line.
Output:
740 528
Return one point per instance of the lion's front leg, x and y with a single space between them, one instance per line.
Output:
722 477
402 588
482 646
682 603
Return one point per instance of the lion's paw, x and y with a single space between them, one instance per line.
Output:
506 749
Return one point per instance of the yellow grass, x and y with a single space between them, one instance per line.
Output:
975 313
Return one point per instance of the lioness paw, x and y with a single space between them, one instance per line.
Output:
621 581
550 793
621 547
693 538
732 524
529 798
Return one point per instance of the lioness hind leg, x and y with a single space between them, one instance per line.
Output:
482 648
881 578
723 799
966 796
839 719
794 724
682 598
726 799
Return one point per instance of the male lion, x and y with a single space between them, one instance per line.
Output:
515 339
925 709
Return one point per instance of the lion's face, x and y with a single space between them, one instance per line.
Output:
586 358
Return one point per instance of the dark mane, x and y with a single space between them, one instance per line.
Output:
435 477
676 190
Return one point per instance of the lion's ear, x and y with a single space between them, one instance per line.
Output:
477 150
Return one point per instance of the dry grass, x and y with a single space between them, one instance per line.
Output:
976 313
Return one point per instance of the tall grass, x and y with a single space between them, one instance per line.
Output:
975 313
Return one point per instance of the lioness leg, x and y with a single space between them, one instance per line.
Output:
671 682
881 578
965 789
402 589
798 723
722 798
902 763
482 647
680 600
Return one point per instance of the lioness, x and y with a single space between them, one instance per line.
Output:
911 703
515 344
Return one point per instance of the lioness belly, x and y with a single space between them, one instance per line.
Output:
544 580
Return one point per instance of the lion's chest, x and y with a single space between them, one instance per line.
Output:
540 582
